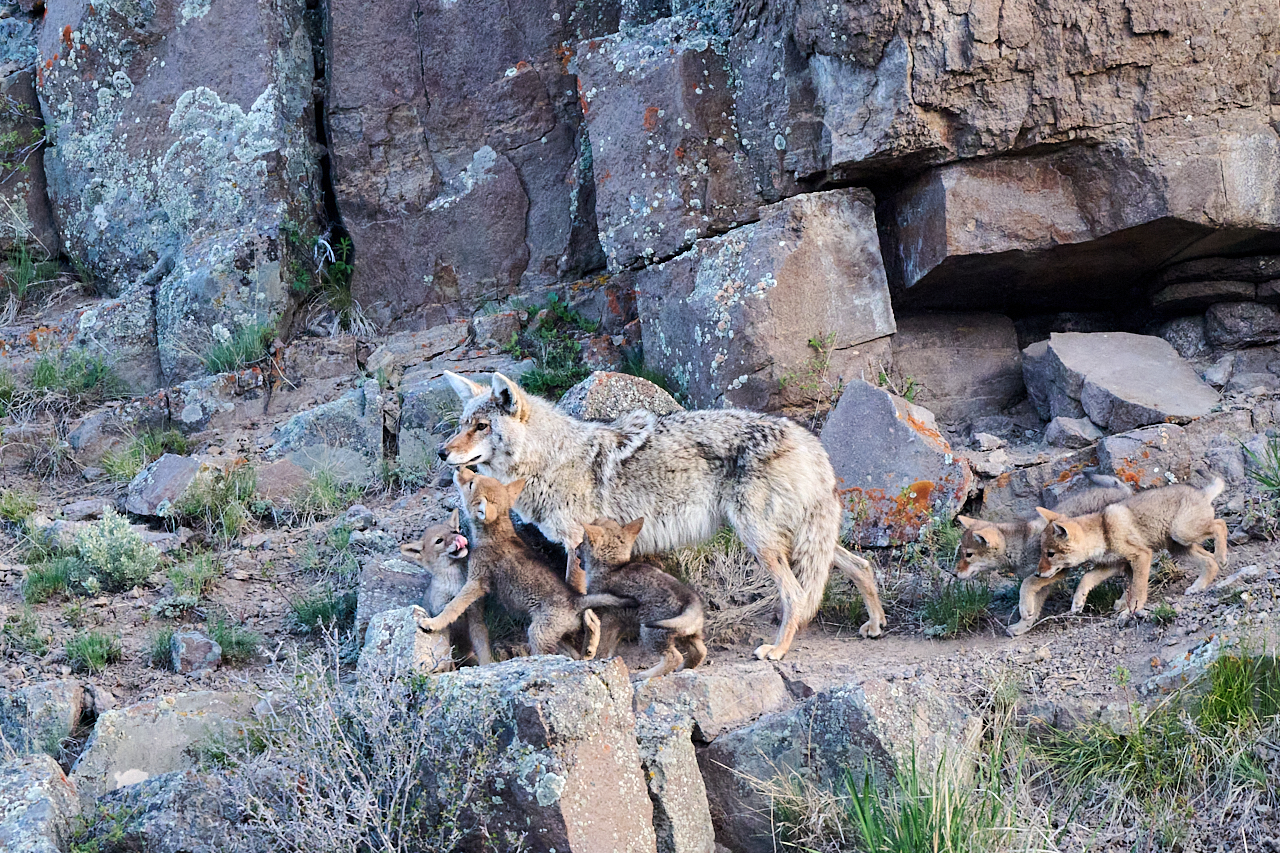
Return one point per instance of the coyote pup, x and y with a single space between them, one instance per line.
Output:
1168 517
668 611
1016 545
688 474
504 565
442 551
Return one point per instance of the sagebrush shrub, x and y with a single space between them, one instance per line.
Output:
114 554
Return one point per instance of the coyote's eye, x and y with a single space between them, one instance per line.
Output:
482 426
439 540
1051 553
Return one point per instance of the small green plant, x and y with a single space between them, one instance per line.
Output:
123 465
1265 466
1163 614
238 643
557 355
323 496
74 614
1103 597
220 503
812 381
52 578
114 555
16 505
23 272
159 653
22 633
92 652
75 375
8 392
324 607
196 577
956 608
245 348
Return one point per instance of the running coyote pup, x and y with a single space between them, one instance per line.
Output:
687 474
442 552
669 613
1172 517
502 564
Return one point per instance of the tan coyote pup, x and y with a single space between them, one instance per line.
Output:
442 552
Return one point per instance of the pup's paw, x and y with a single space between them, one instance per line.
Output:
871 628
1077 607
765 652
1199 586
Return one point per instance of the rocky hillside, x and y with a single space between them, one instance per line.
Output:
983 248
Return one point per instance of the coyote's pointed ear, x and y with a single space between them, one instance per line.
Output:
982 537
515 487
965 521
482 509
632 528
510 397
1060 531
463 387
1047 514
453 522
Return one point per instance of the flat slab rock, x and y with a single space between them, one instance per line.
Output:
1121 381
37 804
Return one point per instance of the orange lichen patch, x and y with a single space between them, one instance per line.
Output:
1002 482
582 98
651 119
1132 476
564 53
523 66
923 428
680 155
66 36
919 492
606 176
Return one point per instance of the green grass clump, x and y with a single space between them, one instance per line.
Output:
8 392
76 375
238 643
115 556
1163 614
23 272
324 496
51 578
92 652
1265 466
124 464
196 577
16 505
21 633
324 607
220 504
956 608
159 653
246 347
557 355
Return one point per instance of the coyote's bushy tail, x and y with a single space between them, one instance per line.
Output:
1214 488
689 620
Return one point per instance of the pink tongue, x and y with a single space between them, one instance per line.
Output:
460 542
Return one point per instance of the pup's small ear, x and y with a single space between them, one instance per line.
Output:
632 528
982 537
510 397
1060 531
463 387
453 522
965 521
515 487
592 533
482 509
1047 514
412 550
463 475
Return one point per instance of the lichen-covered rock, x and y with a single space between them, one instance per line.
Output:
1072 433
1161 454
1017 493
604 396
668 165
459 162
132 744
566 757
965 365
191 652
393 642
1120 380
896 473
39 717
181 812
681 817
160 485
1233 325
37 805
183 155
388 585
774 313
342 438
715 700
126 329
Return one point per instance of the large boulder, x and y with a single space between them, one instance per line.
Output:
1161 454
39 717
342 438
132 744
965 365
668 165
681 816
896 473
161 485
37 805
459 161
604 396
393 642
568 766
29 224
183 157
388 585
1120 380
776 313
186 811
715 700
1233 325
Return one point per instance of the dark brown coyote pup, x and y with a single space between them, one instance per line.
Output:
503 565
442 552
668 611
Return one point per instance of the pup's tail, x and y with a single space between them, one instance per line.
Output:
1106 481
1214 488
603 599
687 623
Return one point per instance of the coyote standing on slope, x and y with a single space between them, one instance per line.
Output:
686 473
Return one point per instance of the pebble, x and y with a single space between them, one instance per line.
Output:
1043 653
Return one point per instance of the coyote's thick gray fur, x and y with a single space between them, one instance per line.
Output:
668 613
687 474
1131 531
442 552
502 564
